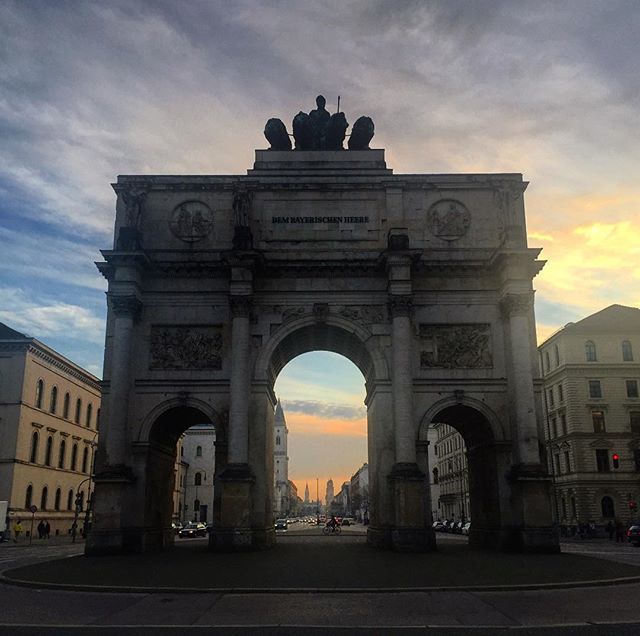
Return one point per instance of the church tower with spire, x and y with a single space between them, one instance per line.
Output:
306 494
280 463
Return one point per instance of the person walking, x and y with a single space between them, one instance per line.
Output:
17 530
47 530
41 529
619 532
610 530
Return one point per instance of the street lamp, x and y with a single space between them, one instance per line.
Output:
79 501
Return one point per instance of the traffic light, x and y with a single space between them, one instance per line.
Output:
616 460
633 506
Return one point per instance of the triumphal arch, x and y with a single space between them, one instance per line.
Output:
424 281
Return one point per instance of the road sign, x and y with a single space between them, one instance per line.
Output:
33 509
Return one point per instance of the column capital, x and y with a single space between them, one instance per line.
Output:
125 305
516 304
240 306
400 305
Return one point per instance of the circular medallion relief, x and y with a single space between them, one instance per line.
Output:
448 219
191 221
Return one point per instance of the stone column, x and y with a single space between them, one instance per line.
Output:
125 309
516 310
240 382
400 308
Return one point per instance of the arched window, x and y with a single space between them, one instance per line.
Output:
70 500
61 454
48 451
43 498
65 406
590 351
28 498
39 392
53 402
78 410
89 413
435 475
85 459
74 457
277 440
197 481
627 351
34 448
198 451
56 503
608 511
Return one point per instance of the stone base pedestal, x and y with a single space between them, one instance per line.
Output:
379 537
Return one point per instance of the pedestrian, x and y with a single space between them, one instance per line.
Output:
47 530
619 532
41 529
610 530
17 530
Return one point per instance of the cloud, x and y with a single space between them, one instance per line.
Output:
310 425
325 410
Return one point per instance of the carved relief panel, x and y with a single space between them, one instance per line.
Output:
181 347
456 346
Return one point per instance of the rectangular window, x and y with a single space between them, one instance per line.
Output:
557 464
632 388
560 393
602 460
567 461
636 459
554 428
598 421
634 422
595 390
551 396
563 423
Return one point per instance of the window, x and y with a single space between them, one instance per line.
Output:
65 407
89 414
53 401
560 393
70 500
567 461
74 457
197 481
97 419
196 505
80 502
48 451
277 440
632 388
636 459
547 362
607 508
85 459
554 428
602 460
556 353
563 423
78 410
435 475
28 498
598 421
627 351
595 389
34 448
634 422
590 351
39 392
43 498
564 508
556 459
61 454
56 503
574 508
199 451
550 392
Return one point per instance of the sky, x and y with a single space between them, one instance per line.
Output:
90 90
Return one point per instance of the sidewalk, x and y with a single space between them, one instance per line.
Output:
305 563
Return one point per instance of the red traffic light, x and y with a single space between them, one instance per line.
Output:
633 505
616 457
616 460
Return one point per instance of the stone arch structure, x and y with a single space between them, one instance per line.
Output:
216 282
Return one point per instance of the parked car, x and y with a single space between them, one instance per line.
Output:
633 534
466 527
281 524
438 526
193 529
176 527
347 521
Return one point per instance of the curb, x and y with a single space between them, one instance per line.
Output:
315 590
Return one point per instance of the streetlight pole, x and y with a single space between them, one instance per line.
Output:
317 503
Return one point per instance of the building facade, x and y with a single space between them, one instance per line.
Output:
591 372
49 412
359 493
450 474
198 445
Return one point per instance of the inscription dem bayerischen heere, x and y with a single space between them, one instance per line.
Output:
319 219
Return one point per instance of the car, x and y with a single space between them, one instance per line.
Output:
633 534
438 526
281 524
176 527
347 521
466 527
193 529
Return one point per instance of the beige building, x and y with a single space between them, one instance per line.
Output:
49 411
591 372
451 475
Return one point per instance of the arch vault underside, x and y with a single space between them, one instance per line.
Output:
422 281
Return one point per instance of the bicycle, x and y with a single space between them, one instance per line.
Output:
331 530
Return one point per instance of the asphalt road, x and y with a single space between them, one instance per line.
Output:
585 611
